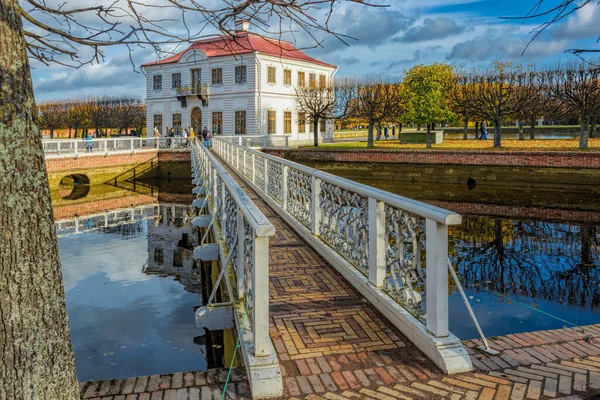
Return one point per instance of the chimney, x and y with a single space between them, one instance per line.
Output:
242 25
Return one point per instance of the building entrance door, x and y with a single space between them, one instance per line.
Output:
196 118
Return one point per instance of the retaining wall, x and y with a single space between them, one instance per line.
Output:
69 163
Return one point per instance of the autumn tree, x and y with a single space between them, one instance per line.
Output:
577 85
375 100
426 97
35 346
51 116
497 94
315 104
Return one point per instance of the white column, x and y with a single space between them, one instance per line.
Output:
266 188
260 291
105 146
315 209
436 244
131 143
253 168
377 268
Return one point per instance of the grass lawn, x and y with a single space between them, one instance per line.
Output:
507 144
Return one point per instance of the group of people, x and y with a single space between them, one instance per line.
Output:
186 133
386 132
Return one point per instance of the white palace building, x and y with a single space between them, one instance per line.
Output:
241 86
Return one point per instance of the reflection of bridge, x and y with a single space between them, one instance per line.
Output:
161 213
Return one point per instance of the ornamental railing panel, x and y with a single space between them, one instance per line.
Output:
244 232
380 234
57 148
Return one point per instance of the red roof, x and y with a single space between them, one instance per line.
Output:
244 43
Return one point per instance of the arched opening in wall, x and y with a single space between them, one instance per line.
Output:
196 120
471 183
74 187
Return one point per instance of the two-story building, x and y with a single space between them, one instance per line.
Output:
242 85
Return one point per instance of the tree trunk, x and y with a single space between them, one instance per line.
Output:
428 136
498 132
466 129
370 134
316 131
418 127
70 129
583 139
51 133
521 135
35 344
532 131
400 129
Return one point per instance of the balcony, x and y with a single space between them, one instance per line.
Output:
200 90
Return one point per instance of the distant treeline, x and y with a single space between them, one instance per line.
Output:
105 115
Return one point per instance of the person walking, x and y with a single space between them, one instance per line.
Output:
89 145
171 143
385 132
156 132
206 137
483 130
184 135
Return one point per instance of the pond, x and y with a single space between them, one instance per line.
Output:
528 249
132 286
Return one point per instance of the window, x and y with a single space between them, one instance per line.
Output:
159 256
157 82
240 122
271 75
176 80
272 123
322 81
287 77
240 74
217 123
158 122
177 123
196 77
287 122
301 122
217 76
301 79
312 81
322 125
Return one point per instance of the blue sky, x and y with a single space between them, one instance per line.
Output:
390 40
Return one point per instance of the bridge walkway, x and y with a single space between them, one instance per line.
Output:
333 344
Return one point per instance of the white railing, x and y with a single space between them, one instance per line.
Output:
55 148
393 247
245 232
258 141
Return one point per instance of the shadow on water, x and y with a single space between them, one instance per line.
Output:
132 289
528 249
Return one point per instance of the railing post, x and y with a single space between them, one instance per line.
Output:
76 150
106 146
436 246
240 140
131 143
265 142
253 168
284 186
237 158
287 141
157 142
223 214
244 162
260 293
377 267
266 188
241 242
315 207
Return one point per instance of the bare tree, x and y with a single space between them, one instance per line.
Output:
316 104
497 94
577 85
35 347
376 99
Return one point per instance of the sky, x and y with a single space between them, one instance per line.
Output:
385 40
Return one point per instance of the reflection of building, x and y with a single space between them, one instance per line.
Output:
170 245
234 86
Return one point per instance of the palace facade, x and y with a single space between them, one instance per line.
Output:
242 85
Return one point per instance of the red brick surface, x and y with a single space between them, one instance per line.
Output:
100 160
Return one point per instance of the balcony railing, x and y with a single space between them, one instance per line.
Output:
56 148
193 90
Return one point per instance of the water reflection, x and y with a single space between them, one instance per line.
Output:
132 288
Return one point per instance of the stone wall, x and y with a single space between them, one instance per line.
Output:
99 161
567 159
